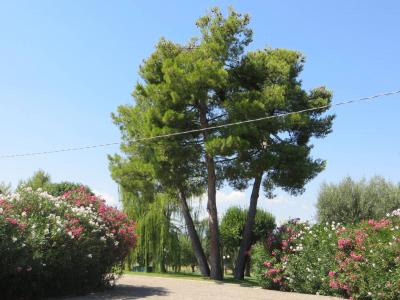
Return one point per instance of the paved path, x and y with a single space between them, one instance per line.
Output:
148 287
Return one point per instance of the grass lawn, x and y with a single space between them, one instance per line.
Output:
248 281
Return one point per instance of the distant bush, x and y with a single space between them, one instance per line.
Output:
357 262
64 245
233 222
350 201
232 226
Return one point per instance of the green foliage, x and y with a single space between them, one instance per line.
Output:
232 226
350 201
59 189
259 255
158 239
266 83
187 257
42 180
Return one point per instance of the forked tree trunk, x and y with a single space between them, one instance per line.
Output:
215 254
194 237
245 244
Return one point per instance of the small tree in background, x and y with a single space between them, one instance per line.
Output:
351 201
232 227
42 180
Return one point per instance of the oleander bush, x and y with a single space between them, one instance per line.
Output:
72 244
361 261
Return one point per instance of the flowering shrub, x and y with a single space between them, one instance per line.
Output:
60 245
357 262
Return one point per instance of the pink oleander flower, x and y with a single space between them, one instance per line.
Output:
12 221
356 257
344 243
267 264
277 279
331 273
273 271
379 224
333 284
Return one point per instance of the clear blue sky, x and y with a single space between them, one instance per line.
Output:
66 65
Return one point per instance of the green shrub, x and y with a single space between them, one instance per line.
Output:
232 226
351 202
60 245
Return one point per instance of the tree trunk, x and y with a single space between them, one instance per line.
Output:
215 254
245 244
194 237
248 266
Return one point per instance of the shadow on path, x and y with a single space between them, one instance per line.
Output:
125 292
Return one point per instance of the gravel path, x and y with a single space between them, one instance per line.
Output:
148 287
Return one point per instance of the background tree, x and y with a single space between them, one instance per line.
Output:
350 201
232 227
59 188
187 255
41 179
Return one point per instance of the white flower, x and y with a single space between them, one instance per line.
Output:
103 238
90 255
23 214
14 239
116 243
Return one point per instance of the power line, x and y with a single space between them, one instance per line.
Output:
206 129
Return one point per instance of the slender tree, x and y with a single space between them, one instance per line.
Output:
274 152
